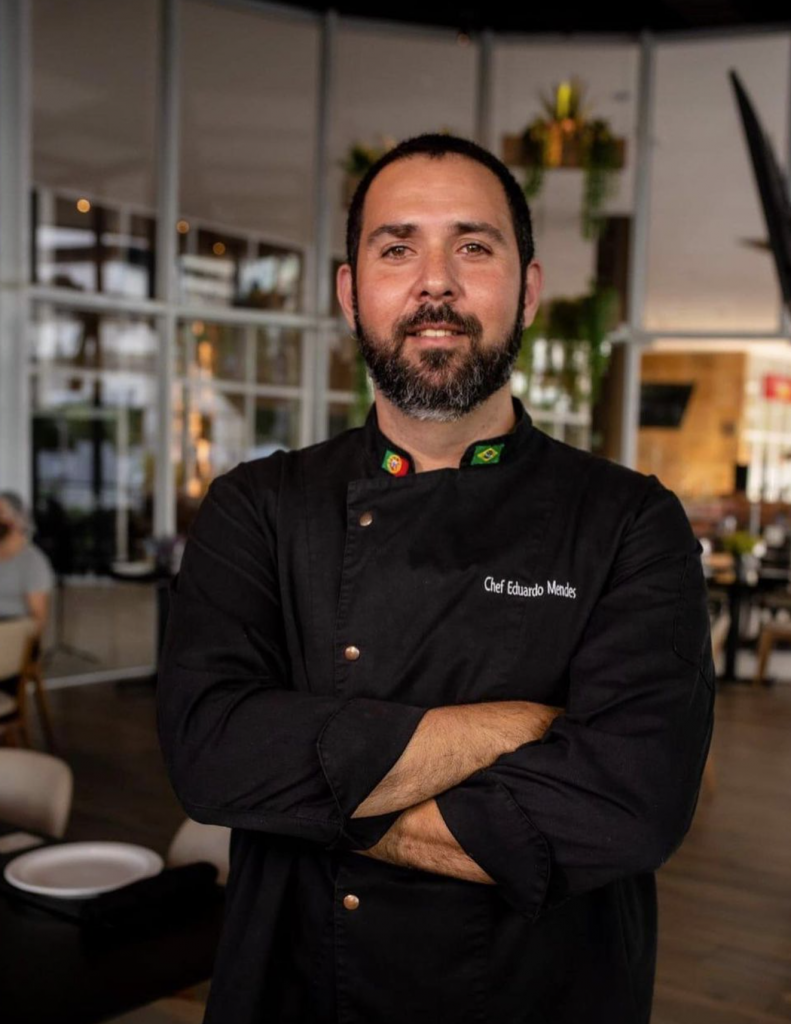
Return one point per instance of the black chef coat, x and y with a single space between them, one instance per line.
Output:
326 599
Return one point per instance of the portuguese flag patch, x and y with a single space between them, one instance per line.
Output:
486 454
395 464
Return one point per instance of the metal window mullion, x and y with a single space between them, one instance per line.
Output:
15 129
289 392
484 90
250 363
166 248
638 252
314 410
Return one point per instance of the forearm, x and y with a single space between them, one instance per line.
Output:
420 839
450 744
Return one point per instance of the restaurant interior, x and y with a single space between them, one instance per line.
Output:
174 182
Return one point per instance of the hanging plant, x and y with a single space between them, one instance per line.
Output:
526 358
360 157
581 325
533 146
363 393
566 137
600 157
599 317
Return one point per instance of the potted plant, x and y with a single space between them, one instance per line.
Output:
565 137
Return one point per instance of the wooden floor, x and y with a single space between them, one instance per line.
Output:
107 733
106 626
724 898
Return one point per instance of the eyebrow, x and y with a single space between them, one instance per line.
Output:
460 227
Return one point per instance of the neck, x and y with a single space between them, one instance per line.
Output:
441 445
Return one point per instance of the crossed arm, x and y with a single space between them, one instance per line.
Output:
449 745
547 805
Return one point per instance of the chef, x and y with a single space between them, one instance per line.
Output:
448 680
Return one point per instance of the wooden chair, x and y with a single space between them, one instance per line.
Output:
194 841
20 659
35 791
771 632
719 634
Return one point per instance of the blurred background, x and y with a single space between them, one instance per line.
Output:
178 176
174 181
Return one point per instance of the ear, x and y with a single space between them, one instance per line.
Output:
343 288
534 281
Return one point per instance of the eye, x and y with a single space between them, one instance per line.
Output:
392 249
476 245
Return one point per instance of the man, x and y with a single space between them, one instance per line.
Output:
448 680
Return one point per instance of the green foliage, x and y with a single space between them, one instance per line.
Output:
362 392
582 325
599 156
360 157
740 542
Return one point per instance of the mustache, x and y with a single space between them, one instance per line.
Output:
469 325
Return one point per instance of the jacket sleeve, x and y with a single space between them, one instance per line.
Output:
244 748
611 787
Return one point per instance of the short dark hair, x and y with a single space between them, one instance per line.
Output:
436 145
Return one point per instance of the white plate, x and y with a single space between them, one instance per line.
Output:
75 870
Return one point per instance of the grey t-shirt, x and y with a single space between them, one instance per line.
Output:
27 572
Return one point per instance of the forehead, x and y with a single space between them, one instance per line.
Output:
432 191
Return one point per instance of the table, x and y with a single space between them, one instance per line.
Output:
768 578
53 970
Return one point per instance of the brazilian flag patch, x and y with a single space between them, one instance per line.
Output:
486 454
395 464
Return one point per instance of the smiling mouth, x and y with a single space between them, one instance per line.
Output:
429 334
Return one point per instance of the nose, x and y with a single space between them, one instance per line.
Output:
436 278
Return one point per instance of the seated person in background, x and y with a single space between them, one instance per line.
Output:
25 573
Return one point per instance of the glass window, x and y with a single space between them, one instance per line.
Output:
224 408
92 247
213 351
346 365
90 340
215 429
276 425
93 396
235 352
94 143
278 355
248 132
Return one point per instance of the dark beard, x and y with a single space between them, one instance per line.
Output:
424 391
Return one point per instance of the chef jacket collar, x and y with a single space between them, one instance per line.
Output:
385 456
